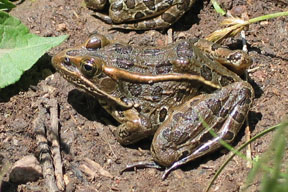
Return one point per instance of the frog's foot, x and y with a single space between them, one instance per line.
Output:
141 165
236 60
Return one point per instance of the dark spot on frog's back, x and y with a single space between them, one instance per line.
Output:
225 80
135 89
214 105
163 67
180 94
179 137
215 46
162 114
194 102
218 126
122 49
130 4
229 136
184 154
157 93
206 73
150 4
139 15
124 63
206 137
184 49
167 17
238 116
166 133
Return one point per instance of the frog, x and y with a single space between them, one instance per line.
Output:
175 93
141 14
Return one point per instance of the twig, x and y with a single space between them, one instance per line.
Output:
92 168
248 150
55 144
170 36
45 158
247 128
244 42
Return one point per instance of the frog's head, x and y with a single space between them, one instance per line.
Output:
83 66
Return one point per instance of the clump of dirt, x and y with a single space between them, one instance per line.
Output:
84 128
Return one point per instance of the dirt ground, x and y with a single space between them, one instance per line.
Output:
84 133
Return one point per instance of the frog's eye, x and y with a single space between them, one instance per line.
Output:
96 42
90 67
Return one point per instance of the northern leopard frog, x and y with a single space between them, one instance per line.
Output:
168 90
141 14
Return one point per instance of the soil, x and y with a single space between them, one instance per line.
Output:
84 129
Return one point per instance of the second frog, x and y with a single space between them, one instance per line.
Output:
141 14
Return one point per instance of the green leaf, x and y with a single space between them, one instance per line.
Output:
19 49
6 5
217 7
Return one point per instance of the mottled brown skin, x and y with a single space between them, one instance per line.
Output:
164 90
141 14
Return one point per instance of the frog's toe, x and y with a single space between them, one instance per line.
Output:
141 165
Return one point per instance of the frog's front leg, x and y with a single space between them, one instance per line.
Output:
133 128
183 137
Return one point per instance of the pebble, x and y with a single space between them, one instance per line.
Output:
25 170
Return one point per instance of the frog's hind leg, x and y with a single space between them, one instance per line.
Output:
162 21
181 141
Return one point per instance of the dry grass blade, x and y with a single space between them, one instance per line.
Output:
235 25
94 167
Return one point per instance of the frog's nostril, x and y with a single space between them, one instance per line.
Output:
66 61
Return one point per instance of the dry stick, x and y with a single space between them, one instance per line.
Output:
247 128
55 144
170 36
45 158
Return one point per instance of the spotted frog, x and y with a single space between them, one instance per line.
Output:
141 14
166 92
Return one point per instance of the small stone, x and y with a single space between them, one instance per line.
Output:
61 27
19 125
25 170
